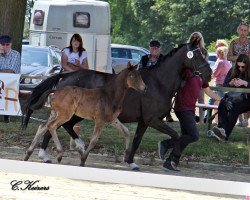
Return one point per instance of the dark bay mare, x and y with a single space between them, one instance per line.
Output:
148 109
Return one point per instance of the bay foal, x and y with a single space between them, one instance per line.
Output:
103 105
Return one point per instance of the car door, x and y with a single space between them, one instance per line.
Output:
120 58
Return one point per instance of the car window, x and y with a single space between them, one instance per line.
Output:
136 54
55 59
120 53
212 58
34 57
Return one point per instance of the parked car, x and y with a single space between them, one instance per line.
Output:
122 54
37 60
212 57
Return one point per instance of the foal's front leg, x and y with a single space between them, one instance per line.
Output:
96 134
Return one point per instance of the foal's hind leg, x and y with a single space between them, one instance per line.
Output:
96 134
117 124
41 130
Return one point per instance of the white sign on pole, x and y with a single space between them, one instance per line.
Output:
9 91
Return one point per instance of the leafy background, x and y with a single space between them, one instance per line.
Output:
136 22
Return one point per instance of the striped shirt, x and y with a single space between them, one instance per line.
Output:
12 61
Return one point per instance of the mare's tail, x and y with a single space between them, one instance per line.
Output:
40 91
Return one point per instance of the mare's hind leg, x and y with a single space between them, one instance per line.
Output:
68 126
42 154
117 124
96 134
74 131
40 131
129 157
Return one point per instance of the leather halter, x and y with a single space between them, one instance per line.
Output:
196 67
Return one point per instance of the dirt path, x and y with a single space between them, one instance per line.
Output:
75 189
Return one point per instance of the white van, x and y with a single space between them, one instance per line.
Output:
53 22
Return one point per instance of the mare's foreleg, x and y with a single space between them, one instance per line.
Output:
40 131
129 157
96 134
164 128
117 124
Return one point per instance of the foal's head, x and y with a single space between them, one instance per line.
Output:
134 79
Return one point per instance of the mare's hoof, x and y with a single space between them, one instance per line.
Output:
82 165
59 159
134 167
47 161
26 158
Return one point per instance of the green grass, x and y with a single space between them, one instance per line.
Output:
235 152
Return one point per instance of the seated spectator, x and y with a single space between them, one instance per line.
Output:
231 107
240 45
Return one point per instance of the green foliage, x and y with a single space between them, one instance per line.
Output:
172 21
136 22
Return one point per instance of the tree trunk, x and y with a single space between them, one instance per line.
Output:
12 14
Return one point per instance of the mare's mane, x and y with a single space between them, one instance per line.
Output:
172 52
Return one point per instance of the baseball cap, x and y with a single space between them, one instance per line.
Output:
5 39
154 43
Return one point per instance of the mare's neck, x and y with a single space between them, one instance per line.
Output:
170 70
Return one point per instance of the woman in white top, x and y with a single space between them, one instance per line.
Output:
74 57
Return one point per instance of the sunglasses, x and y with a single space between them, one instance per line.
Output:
5 44
242 67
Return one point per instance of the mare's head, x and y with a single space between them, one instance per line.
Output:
134 79
196 60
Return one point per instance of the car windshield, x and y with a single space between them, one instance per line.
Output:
34 57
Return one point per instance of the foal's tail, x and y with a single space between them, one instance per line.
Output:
33 102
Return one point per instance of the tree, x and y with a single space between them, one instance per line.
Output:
12 20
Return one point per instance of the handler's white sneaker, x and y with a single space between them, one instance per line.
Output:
219 133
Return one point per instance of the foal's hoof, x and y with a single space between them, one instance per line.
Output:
48 161
82 164
134 167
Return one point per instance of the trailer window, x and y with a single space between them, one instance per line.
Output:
38 17
81 19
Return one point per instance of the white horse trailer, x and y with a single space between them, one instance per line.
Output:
53 22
